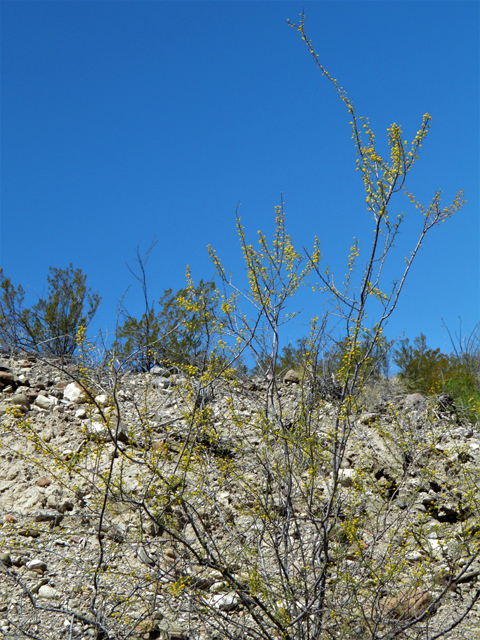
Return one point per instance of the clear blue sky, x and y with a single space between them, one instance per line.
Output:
122 121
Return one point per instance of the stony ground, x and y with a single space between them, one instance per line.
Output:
183 489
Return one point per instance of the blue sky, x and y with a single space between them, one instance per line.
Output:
125 121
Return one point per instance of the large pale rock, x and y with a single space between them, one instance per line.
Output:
414 399
48 592
23 499
98 432
102 400
45 402
160 371
225 601
74 393
292 377
36 565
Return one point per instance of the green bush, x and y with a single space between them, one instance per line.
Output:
50 326
371 356
175 334
423 370
429 371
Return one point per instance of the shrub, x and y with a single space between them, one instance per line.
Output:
173 335
422 369
50 326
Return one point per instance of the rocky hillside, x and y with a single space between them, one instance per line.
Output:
163 506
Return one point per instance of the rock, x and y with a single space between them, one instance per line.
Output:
414 556
31 395
225 602
29 532
74 393
414 399
122 433
102 400
20 561
6 379
6 559
162 383
292 377
44 403
37 587
462 432
44 482
10 519
22 388
81 413
37 565
48 515
48 592
172 631
20 400
98 432
159 371
408 604
144 557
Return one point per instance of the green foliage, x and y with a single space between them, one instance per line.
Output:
429 371
423 370
464 386
369 355
292 356
11 302
50 326
175 335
